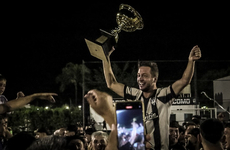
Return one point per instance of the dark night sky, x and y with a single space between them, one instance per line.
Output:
40 39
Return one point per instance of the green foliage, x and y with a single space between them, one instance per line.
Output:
71 74
36 117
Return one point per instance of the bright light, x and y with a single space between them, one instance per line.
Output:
46 107
204 107
79 106
67 107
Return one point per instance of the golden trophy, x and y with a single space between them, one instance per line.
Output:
128 19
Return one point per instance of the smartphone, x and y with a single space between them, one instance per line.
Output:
130 125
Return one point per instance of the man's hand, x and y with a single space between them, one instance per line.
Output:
45 96
20 94
102 103
195 53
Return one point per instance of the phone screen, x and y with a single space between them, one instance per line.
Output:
129 117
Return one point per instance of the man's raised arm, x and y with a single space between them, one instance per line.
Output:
194 55
110 78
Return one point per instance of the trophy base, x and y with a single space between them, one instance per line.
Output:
101 46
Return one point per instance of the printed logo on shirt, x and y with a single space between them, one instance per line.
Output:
150 116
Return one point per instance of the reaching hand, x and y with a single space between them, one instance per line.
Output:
20 94
45 96
195 53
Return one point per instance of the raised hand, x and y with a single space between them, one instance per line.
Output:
195 53
102 103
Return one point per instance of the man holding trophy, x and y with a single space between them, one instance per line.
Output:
157 101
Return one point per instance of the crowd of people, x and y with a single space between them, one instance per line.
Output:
196 134
160 132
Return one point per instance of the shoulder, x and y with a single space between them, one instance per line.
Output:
166 91
165 94
132 93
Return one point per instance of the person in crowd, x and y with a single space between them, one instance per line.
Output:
49 143
3 99
71 130
60 132
211 132
102 104
174 136
41 133
76 144
188 127
5 134
22 101
221 116
157 101
99 140
192 140
181 139
196 119
227 136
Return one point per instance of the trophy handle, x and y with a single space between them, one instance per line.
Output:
128 19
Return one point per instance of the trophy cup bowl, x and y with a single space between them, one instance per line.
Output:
128 20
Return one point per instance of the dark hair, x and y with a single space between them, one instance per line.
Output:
196 116
152 65
189 124
43 130
49 143
174 124
212 130
227 125
194 132
2 77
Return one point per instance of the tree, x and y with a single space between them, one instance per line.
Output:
72 74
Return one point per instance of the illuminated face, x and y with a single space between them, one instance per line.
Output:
173 135
77 143
99 143
190 142
2 86
145 79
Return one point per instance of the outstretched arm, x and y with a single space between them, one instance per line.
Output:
22 101
110 78
194 55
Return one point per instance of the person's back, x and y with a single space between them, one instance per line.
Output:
211 132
